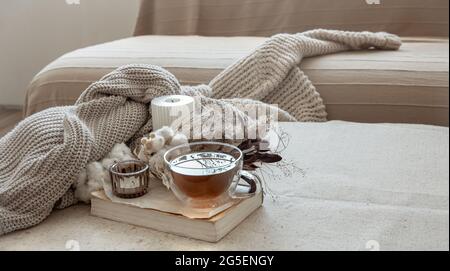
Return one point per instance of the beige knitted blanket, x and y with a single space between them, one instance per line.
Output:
41 158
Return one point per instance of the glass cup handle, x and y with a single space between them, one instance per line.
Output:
250 185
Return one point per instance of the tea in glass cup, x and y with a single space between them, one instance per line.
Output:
206 174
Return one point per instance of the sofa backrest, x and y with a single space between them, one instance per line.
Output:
267 17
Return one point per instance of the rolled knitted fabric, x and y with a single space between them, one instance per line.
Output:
271 72
43 155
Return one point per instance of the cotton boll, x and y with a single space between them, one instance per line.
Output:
143 140
154 143
155 146
95 185
158 141
83 193
81 187
120 151
179 139
107 162
126 157
96 173
167 133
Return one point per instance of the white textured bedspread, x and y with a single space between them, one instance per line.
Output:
365 186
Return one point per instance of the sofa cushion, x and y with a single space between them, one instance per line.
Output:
409 85
268 17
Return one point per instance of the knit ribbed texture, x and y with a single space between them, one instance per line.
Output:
41 158
271 73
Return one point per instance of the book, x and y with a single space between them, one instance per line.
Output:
207 229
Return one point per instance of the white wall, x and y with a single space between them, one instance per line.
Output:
35 32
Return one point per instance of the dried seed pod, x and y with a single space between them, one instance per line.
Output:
269 157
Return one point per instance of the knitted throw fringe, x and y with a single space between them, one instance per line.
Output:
42 157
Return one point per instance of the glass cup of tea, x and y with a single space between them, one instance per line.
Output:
208 174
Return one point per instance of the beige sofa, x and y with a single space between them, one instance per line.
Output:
408 86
